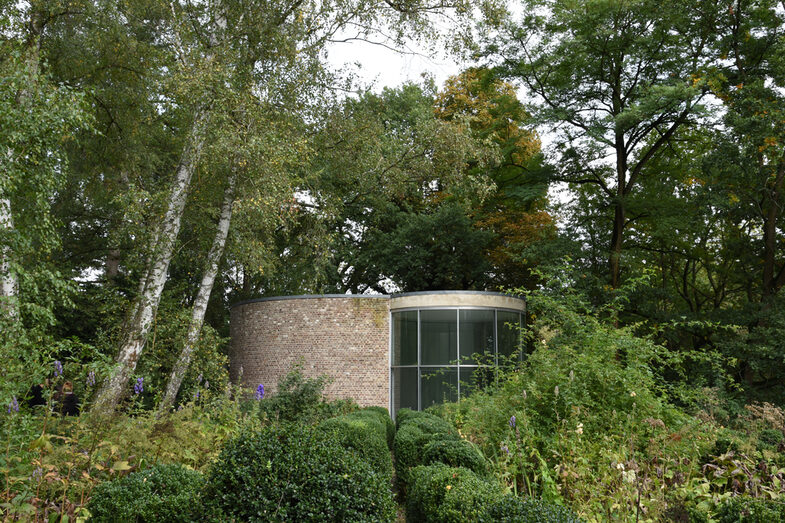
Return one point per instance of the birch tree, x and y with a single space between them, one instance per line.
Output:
272 48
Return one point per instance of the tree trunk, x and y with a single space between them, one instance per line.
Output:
202 297
772 281
9 283
617 239
113 388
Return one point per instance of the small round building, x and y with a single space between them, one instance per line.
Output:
404 350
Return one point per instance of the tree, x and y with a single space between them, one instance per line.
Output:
515 211
273 49
386 162
613 81
37 117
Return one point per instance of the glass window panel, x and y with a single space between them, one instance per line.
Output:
439 336
404 388
476 337
476 378
438 385
509 333
404 338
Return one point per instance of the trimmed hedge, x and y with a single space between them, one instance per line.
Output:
296 473
402 415
747 510
389 425
161 493
440 494
365 433
413 434
455 453
511 509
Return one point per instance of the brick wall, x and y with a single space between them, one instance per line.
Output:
344 338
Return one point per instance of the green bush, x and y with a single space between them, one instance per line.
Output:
389 425
402 415
455 453
748 510
297 399
511 509
438 493
770 439
295 473
160 493
364 433
412 436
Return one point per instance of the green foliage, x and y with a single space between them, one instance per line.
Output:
294 473
207 376
584 408
415 430
440 493
160 493
300 399
512 509
365 433
389 424
455 453
745 510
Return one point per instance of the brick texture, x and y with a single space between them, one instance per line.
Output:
344 338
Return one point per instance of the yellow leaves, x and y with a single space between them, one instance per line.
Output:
733 199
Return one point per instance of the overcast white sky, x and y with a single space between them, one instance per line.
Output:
386 68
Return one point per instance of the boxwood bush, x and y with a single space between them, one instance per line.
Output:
413 434
364 433
511 509
384 415
439 494
161 493
296 473
455 453
748 510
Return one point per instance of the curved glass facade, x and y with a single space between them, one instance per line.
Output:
440 354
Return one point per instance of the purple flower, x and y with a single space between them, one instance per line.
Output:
37 473
13 406
196 395
206 384
512 421
260 392
139 386
505 449
90 379
58 368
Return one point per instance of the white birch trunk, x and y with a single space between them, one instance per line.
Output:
202 297
8 282
113 388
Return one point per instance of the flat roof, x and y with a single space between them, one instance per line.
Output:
372 296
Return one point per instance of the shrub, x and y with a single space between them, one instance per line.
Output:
511 509
412 436
364 433
438 493
297 399
402 415
769 439
295 473
159 493
388 422
455 453
747 510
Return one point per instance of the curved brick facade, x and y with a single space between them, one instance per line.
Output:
346 338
